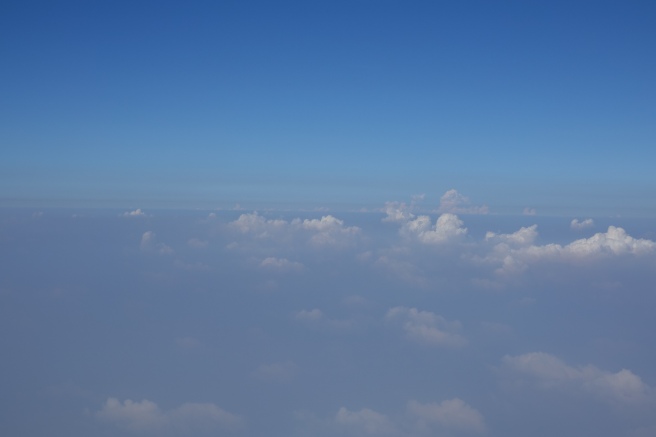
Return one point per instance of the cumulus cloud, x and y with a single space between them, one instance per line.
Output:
453 414
582 224
550 372
516 251
327 231
426 327
522 237
448 227
529 211
397 212
149 243
365 422
258 226
136 213
454 202
281 264
145 417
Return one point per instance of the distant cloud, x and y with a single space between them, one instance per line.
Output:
365 422
397 212
529 211
426 327
453 414
149 243
448 227
550 372
136 213
449 417
516 251
454 202
146 417
327 231
578 225
524 236
281 264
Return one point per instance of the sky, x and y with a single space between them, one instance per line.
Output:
342 104
327 218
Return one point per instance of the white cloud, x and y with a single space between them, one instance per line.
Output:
149 243
522 237
615 241
260 227
426 327
529 211
327 231
281 264
364 422
136 213
134 416
454 202
551 372
146 417
453 414
448 227
516 251
397 212
583 224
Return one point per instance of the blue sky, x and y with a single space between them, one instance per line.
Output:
327 219
337 104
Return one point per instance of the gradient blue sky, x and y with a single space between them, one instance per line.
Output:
344 104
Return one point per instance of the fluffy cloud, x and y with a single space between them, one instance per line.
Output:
522 237
582 224
448 227
146 417
426 327
550 372
453 414
136 213
258 226
364 422
149 243
529 211
454 202
449 417
516 251
327 231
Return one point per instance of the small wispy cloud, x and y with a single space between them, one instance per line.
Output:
136 213
577 224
